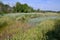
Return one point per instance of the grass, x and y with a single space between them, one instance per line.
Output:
37 33
5 21
13 29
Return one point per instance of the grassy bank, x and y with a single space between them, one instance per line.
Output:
19 29
46 30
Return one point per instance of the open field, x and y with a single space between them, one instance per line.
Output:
30 26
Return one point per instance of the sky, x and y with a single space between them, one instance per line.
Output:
53 5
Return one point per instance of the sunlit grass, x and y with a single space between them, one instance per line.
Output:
18 28
36 33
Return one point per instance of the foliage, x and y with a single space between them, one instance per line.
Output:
24 8
4 8
5 21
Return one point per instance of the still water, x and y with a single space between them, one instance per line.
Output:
37 20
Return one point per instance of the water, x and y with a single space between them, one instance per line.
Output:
35 21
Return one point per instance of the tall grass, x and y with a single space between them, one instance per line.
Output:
46 30
5 21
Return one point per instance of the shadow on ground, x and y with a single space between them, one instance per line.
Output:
54 34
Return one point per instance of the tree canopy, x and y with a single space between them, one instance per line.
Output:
5 8
19 8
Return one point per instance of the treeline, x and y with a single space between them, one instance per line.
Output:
46 11
18 8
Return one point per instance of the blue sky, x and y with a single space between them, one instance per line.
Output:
41 4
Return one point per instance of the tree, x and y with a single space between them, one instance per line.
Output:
4 8
38 10
17 7
22 8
